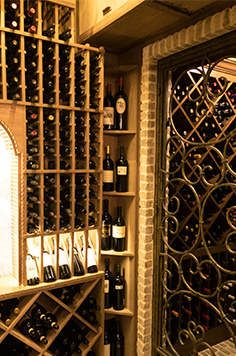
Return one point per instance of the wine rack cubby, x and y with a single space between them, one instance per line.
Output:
67 314
198 225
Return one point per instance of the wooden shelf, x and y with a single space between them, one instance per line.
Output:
123 312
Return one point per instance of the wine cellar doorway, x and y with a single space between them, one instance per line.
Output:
195 232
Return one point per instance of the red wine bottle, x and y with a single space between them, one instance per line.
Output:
108 286
118 231
122 170
119 290
108 172
121 107
109 111
106 227
119 341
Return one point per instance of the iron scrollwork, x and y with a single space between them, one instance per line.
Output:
199 209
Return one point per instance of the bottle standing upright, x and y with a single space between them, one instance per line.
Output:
119 290
121 108
108 172
109 111
106 227
108 285
122 170
118 231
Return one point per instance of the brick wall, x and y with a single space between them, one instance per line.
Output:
209 28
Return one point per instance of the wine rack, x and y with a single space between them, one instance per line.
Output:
128 200
51 99
88 286
199 213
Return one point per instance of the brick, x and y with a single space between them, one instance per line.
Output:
144 322
145 263
144 330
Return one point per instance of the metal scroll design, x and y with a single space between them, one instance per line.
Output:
198 196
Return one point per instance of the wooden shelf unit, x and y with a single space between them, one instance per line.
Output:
88 103
129 202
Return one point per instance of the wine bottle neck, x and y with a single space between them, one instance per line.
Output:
107 264
105 206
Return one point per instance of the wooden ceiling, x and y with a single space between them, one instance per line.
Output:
148 22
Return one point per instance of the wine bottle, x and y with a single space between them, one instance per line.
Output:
49 150
91 261
119 290
108 172
109 111
49 180
65 35
38 313
32 212
78 266
107 342
64 135
64 270
121 108
32 228
49 32
106 228
108 286
51 321
41 332
32 165
5 314
32 197
119 231
32 272
48 225
32 150
64 151
119 341
49 272
65 180
79 223
122 171
27 327
80 194
79 209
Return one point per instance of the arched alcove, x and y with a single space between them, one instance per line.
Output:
9 205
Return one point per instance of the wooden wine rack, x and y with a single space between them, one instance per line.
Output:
14 123
128 200
90 286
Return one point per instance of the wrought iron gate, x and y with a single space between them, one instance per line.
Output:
197 211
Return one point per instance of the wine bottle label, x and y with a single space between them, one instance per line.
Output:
32 271
47 260
90 258
108 116
106 230
107 350
62 258
106 286
120 106
108 176
119 287
121 171
118 231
